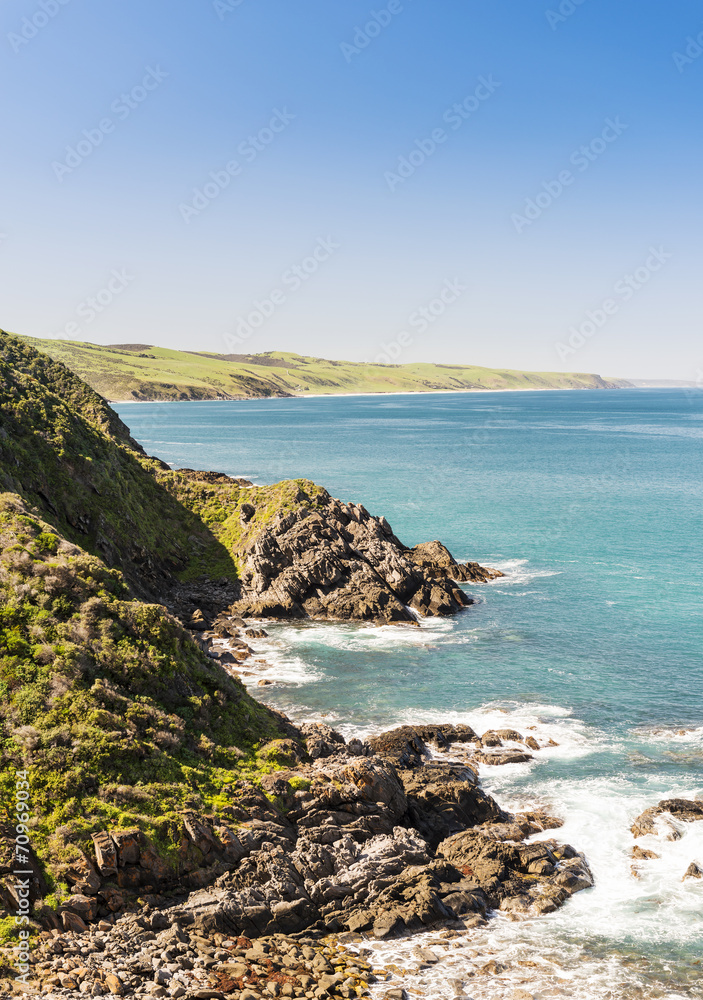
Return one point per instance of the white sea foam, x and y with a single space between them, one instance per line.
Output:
272 660
597 946
366 637
517 572
678 736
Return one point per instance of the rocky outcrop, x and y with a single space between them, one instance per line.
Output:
438 561
375 837
658 818
520 879
326 559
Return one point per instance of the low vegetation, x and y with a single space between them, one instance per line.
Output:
118 716
143 372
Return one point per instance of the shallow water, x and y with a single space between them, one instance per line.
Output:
591 504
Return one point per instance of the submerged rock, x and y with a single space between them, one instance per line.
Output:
693 871
684 810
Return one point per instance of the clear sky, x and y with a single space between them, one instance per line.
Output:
512 183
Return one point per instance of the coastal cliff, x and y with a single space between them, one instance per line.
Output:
162 797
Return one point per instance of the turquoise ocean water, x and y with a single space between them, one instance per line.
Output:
591 503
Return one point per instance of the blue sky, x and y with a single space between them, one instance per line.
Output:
561 200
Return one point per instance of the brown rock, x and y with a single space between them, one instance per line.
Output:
114 985
686 810
115 899
85 906
84 876
693 871
437 560
105 853
154 865
407 745
640 854
72 922
505 756
128 844
129 878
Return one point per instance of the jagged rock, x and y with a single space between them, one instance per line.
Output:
640 854
247 511
321 740
436 559
505 756
85 906
330 560
72 922
685 810
693 871
502 871
83 876
361 797
444 799
128 844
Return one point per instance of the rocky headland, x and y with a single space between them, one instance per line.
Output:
185 839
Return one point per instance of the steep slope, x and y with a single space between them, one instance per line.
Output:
107 703
65 450
106 700
139 371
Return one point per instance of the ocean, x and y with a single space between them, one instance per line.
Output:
591 504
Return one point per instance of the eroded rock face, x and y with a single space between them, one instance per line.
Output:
335 561
383 849
520 879
444 798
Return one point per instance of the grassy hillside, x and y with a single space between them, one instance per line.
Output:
138 371
117 715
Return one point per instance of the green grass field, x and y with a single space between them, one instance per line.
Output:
138 371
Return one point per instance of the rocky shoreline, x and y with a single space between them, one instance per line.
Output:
383 838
